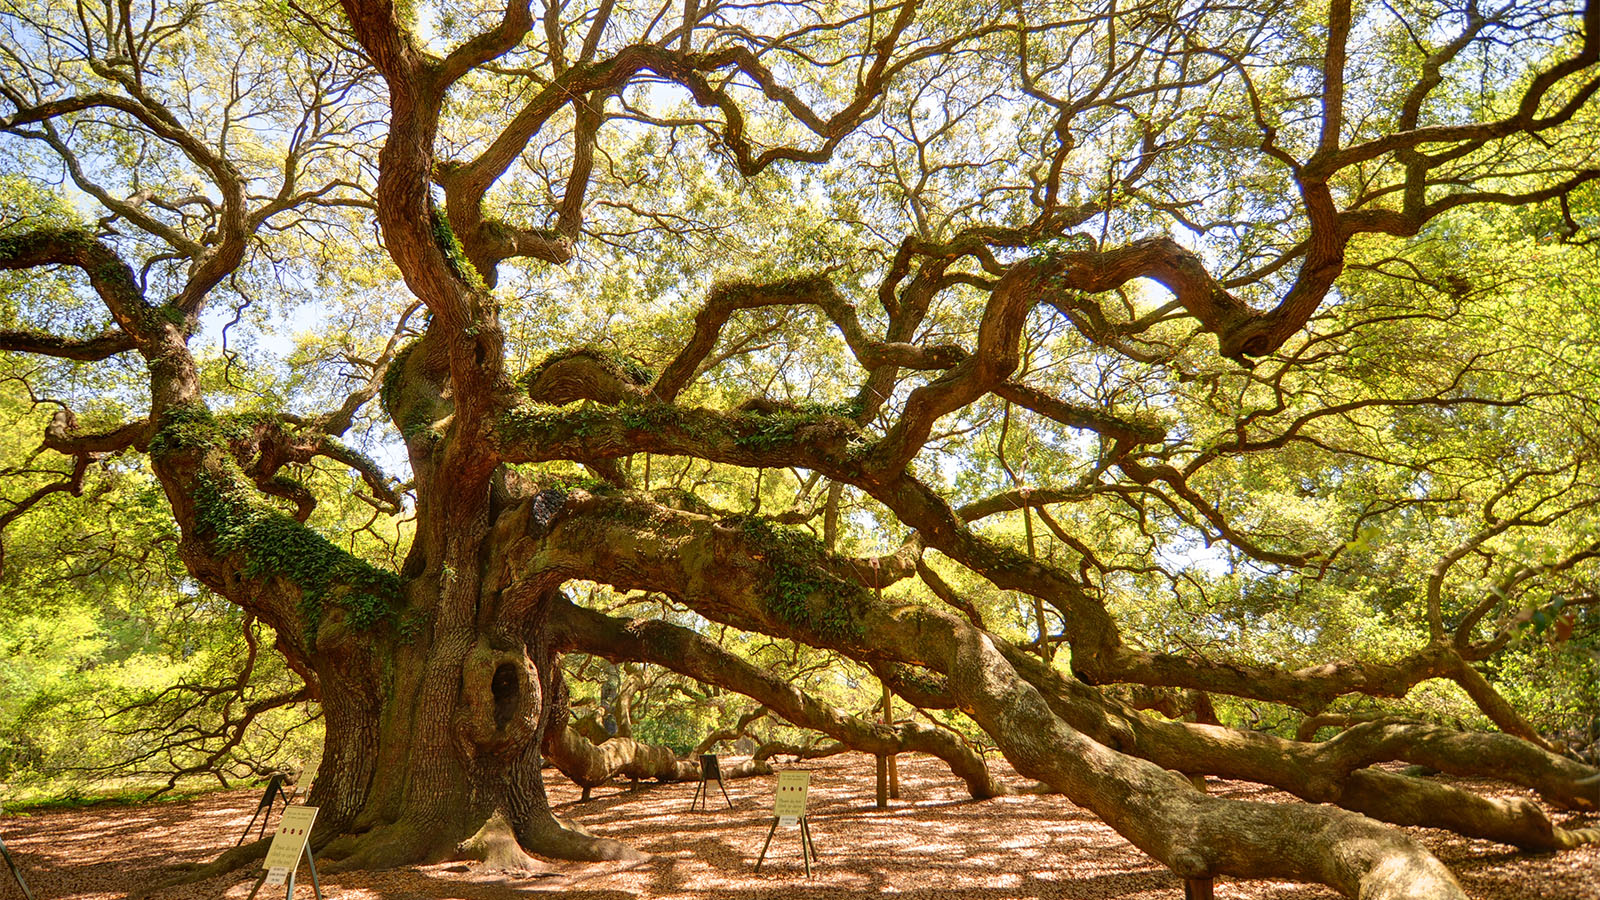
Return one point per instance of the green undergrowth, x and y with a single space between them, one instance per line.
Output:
769 426
394 379
534 420
127 796
414 418
551 481
918 678
193 427
642 513
804 595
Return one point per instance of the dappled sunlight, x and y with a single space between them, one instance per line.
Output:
933 844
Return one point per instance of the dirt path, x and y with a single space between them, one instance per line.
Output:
933 844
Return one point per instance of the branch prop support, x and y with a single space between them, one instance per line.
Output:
888 768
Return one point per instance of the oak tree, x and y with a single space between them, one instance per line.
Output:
1177 287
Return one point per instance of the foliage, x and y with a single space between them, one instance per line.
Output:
1236 348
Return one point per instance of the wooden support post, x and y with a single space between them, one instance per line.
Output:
888 766
1198 889
883 782
894 758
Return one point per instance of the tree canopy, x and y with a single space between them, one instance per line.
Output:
1051 363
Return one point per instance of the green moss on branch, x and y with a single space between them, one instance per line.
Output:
804 594
454 254
625 368
274 545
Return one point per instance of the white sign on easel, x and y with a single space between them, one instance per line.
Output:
294 829
790 803
789 808
283 857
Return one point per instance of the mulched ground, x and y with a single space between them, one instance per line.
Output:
932 844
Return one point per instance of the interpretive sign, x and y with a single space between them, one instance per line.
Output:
789 808
790 803
710 770
283 857
294 829
273 793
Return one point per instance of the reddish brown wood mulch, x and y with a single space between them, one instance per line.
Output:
933 844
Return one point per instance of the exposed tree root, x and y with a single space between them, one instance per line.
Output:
235 858
496 846
385 847
558 838
590 765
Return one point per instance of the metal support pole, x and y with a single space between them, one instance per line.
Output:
16 870
311 861
766 843
805 841
1198 889
246 833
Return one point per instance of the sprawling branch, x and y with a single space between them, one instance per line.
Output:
94 349
726 571
688 653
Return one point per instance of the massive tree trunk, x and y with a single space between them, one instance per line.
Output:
439 682
433 722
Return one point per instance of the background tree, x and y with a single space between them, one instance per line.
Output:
1180 288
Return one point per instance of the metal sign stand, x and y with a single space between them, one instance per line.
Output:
273 792
789 808
292 841
16 871
808 849
709 769
316 888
